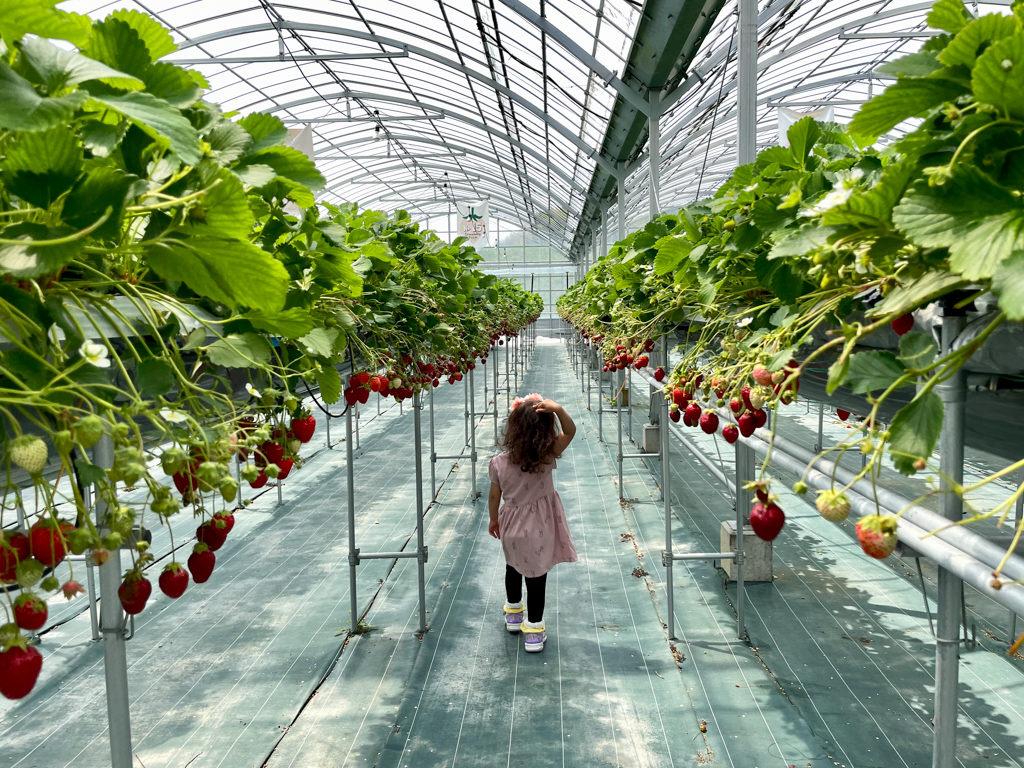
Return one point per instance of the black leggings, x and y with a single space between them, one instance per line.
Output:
534 592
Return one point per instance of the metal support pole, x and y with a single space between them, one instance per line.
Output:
821 428
1019 509
745 472
621 382
629 404
472 430
746 150
600 400
621 206
353 552
357 425
421 550
468 409
433 458
115 657
666 455
328 425
508 377
495 369
654 148
953 392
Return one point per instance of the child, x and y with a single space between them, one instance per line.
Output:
531 524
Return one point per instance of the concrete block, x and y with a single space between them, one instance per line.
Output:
757 561
652 438
625 397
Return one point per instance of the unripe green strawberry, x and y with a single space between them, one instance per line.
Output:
172 460
800 487
294 446
291 403
119 432
29 452
63 442
210 474
50 584
833 505
229 489
130 464
120 520
89 430
112 540
29 572
81 539
272 471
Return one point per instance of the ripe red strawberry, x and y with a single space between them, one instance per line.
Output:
687 421
305 427
762 376
260 481
693 411
745 394
674 415
877 535
134 592
269 453
211 534
285 467
350 396
228 518
185 481
14 547
843 415
642 361
46 541
709 422
736 405
767 519
174 580
19 669
730 433
659 374
760 418
903 324
201 563
679 397
30 612
747 423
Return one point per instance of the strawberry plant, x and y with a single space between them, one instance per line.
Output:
813 247
155 255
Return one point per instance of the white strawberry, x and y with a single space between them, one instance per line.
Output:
833 505
29 453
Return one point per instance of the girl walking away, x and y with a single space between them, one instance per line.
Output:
531 524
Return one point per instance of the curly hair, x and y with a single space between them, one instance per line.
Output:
529 438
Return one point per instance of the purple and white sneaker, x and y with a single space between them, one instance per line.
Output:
514 615
535 636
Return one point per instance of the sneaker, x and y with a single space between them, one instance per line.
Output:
535 636
514 615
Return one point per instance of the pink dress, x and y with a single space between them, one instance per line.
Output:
532 524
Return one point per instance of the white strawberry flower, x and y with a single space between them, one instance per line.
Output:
96 354
253 392
1006 64
744 322
172 415
842 190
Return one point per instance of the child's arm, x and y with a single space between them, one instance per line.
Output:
493 500
564 419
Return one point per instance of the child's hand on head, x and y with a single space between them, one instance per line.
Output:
547 406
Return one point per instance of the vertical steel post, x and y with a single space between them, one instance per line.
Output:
621 206
472 429
654 149
421 551
746 149
508 377
115 656
953 392
495 369
620 383
433 452
666 494
745 472
357 425
1019 514
328 425
353 553
628 397
821 427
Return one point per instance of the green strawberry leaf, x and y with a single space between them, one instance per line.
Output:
914 431
872 371
22 109
291 323
672 250
330 384
41 18
904 99
319 341
949 16
1008 284
100 189
918 64
265 130
917 350
155 376
998 76
61 68
28 257
233 272
158 119
239 350
157 39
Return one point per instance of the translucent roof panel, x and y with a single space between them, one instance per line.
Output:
420 100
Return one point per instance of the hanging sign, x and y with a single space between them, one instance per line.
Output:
789 116
474 222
